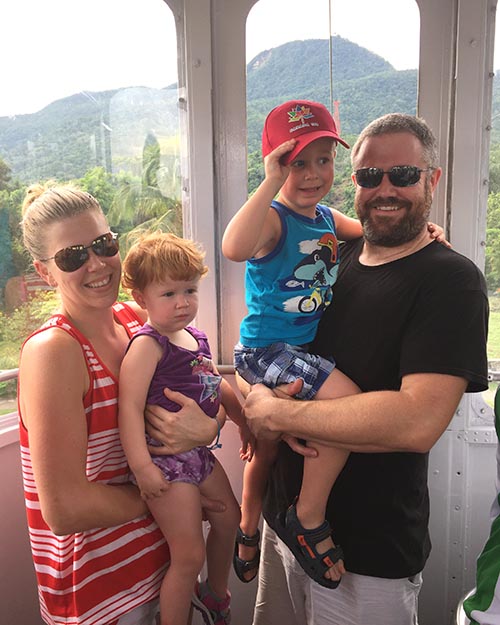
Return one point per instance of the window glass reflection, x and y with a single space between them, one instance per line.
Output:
89 96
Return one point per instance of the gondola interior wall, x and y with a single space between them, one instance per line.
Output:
215 110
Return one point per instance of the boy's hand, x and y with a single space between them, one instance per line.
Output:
273 167
247 443
437 233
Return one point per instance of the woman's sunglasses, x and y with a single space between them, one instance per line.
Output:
73 257
400 176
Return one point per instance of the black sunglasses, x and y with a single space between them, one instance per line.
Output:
72 258
399 175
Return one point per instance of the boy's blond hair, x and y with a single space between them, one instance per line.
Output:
161 255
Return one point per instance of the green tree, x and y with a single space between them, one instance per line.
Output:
12 201
255 174
152 201
494 173
5 175
492 264
14 328
150 161
99 183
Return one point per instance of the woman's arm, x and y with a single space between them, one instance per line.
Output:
180 431
51 400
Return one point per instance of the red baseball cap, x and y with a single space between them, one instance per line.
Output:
298 119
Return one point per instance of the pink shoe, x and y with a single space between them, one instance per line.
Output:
213 610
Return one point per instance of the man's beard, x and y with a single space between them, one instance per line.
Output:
405 230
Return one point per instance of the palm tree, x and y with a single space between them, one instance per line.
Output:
152 202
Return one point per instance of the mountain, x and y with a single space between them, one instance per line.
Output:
363 83
72 135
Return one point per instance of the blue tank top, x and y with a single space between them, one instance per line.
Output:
288 290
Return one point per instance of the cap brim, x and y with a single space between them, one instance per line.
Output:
304 140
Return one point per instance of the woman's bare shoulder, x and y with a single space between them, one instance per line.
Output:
54 348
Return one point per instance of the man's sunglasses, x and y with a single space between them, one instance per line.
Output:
400 176
72 258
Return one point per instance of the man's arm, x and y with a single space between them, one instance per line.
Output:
409 420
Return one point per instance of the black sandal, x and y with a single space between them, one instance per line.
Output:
243 566
302 543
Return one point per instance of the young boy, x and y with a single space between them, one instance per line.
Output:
291 248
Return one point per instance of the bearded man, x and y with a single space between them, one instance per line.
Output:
408 323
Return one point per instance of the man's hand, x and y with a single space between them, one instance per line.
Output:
262 403
211 505
258 408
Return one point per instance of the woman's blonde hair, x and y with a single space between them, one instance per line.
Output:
45 204
159 255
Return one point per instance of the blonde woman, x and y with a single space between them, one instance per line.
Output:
99 556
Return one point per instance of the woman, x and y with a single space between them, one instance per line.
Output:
99 557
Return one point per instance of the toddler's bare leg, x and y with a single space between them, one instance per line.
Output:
223 526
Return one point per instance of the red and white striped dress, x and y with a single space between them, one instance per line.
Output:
94 577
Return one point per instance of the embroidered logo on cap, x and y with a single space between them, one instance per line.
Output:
299 113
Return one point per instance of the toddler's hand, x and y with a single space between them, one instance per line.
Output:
151 482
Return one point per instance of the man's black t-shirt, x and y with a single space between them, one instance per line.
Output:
425 313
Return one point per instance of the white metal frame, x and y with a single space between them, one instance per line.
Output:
213 116
456 68
456 65
455 97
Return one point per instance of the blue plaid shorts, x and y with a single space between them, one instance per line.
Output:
281 363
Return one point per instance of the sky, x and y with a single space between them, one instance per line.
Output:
351 19
52 49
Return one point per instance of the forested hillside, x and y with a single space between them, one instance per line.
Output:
113 142
69 137
364 84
